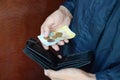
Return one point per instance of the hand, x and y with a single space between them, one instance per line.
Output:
57 19
69 74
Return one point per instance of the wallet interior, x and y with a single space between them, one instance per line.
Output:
48 59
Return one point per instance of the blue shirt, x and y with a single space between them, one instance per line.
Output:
97 25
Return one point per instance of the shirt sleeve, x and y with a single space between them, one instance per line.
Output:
70 5
111 74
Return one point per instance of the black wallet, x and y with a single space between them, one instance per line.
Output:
48 59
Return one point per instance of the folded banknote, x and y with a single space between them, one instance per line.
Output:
59 34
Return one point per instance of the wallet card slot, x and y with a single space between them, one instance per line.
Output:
37 59
77 57
73 62
41 55
38 49
75 65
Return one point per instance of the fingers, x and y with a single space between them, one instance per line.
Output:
59 56
55 47
46 26
61 43
45 47
55 75
66 41
45 30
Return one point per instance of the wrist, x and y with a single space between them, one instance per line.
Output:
65 11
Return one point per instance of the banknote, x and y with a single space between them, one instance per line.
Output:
59 34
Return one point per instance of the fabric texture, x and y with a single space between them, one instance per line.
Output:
97 27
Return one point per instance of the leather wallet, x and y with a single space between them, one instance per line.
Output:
48 59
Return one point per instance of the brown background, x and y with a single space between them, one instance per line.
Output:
20 20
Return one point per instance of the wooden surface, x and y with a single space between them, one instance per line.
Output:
20 20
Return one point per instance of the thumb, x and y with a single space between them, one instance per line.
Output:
46 31
46 27
53 74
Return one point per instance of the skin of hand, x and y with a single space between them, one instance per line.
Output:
69 74
57 19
